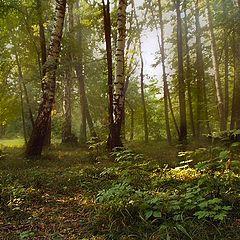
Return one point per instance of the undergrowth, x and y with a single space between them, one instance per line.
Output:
82 194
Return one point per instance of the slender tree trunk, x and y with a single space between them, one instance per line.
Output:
181 80
226 72
141 77
219 93
79 67
234 106
172 113
67 136
202 103
24 89
237 73
118 96
143 102
189 75
81 85
237 80
107 30
47 140
132 120
67 108
22 111
89 120
35 144
164 75
42 37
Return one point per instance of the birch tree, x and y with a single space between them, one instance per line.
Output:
118 95
35 144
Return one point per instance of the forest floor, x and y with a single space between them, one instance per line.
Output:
77 193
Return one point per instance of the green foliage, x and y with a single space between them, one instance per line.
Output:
27 235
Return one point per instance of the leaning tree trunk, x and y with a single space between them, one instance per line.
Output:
35 144
181 80
118 96
217 80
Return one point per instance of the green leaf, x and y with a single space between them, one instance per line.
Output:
183 230
148 213
157 214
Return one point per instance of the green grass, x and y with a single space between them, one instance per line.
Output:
12 143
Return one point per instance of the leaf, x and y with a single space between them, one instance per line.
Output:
148 214
183 230
236 144
157 214
224 155
201 214
215 201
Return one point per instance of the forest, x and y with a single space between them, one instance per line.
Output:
120 119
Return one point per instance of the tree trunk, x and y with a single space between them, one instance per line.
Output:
35 144
181 81
145 121
237 80
172 113
118 96
164 75
219 93
202 103
67 136
89 120
132 120
47 140
22 111
81 85
107 31
226 72
24 89
67 108
189 75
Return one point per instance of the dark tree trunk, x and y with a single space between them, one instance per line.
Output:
189 76
107 30
132 120
67 108
81 85
165 83
89 120
35 144
226 72
47 140
181 80
202 103
172 113
22 112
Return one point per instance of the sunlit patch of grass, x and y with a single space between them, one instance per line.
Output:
12 143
